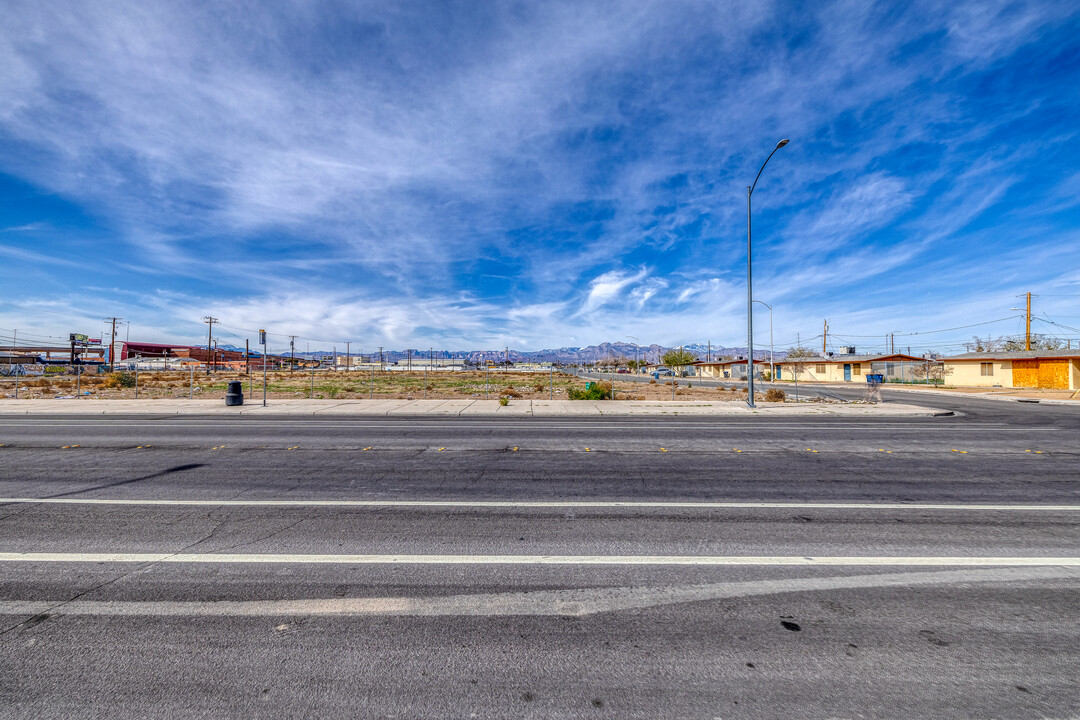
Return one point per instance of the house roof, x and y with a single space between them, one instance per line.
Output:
858 358
1017 355
729 362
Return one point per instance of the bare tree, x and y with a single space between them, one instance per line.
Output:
931 371
1041 343
987 344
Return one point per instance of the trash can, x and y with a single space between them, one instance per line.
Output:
235 394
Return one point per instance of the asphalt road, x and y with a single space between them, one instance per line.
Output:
588 567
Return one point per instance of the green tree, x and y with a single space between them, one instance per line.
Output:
678 359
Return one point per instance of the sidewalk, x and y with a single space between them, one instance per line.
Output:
462 408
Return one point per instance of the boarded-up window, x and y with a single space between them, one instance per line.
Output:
820 368
1025 373
986 369
1054 374
856 368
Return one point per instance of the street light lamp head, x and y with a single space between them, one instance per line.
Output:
782 143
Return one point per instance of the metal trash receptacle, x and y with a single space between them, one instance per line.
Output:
235 393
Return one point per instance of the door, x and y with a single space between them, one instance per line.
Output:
847 372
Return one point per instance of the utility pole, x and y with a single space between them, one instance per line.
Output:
112 342
247 359
825 339
380 359
209 339
292 352
1027 332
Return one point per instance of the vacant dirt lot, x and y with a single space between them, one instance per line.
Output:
354 385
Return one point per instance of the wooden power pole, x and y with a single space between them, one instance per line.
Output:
209 339
1027 333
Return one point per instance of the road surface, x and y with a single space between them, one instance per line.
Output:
592 567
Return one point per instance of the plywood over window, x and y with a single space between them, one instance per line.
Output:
1054 374
1025 373
1041 373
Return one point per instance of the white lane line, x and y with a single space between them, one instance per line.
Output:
571 602
644 504
713 560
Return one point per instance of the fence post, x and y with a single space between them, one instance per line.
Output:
311 395
136 378
551 383
425 382
191 389
78 381
371 395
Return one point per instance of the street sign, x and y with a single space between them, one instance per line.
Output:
262 337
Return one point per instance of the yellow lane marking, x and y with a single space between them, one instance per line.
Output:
587 450
514 450
367 448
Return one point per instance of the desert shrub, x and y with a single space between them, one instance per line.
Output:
653 381
504 401
774 395
511 392
332 392
119 380
540 387
65 384
598 391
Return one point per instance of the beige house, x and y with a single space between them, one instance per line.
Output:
894 367
728 369
1022 368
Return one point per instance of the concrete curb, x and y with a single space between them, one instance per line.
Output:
458 408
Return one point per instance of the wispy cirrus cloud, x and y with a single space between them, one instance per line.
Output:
497 169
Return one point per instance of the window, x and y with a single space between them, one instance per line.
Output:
986 369
856 368
820 368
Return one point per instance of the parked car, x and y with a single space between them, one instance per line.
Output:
662 372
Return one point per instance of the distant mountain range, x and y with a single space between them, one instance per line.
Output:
564 355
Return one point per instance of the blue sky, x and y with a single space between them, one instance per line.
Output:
538 174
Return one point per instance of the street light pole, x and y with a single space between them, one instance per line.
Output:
750 285
772 365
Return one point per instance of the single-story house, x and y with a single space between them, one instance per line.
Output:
1019 368
731 369
852 368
